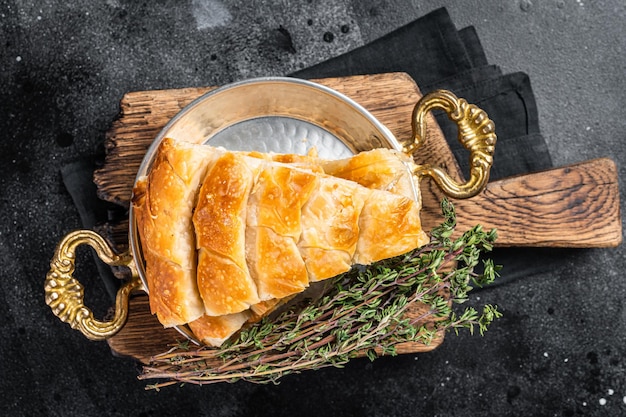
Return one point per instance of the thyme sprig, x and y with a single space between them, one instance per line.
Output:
366 312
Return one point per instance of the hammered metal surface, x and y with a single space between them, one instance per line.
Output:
280 135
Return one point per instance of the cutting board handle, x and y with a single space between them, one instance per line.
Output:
575 206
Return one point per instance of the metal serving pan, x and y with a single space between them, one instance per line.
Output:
272 114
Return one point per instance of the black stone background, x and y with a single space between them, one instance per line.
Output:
559 350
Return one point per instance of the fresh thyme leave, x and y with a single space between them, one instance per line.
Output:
366 312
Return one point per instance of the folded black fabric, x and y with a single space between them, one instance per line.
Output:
428 49
78 179
510 103
473 47
464 79
437 56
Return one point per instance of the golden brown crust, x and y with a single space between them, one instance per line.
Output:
307 162
214 331
262 309
163 204
224 281
264 226
378 169
274 227
330 227
389 227
275 263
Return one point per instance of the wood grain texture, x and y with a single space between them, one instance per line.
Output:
574 206
142 116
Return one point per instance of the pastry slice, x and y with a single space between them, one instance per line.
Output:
309 162
163 203
330 227
273 228
214 331
388 227
224 281
380 169
262 309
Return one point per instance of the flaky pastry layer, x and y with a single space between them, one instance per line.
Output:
227 234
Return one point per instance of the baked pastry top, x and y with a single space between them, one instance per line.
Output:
227 235
163 203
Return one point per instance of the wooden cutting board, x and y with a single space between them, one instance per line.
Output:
574 206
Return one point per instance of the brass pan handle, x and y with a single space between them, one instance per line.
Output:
65 295
476 133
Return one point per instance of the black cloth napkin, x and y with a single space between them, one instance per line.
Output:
436 55
78 179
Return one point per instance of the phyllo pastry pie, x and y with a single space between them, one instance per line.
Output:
227 235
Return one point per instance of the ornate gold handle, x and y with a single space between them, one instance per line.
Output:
476 133
64 294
